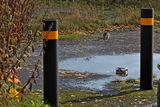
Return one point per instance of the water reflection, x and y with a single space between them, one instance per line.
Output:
121 74
107 64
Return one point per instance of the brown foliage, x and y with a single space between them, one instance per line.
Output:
14 16
15 40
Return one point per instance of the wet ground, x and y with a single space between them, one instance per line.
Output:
103 67
120 43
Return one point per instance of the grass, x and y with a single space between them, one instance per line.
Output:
76 16
78 37
73 18
131 80
128 96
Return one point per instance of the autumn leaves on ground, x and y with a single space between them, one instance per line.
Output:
21 27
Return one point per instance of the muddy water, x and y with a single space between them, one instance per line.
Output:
106 64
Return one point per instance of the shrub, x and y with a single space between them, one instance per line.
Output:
15 46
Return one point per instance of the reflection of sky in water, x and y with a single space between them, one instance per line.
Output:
107 63
98 84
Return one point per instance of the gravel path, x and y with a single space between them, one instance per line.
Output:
120 42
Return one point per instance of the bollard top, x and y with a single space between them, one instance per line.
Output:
52 20
50 25
148 8
147 13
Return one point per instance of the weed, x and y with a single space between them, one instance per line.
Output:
15 46
131 80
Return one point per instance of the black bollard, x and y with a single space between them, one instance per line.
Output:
50 62
146 57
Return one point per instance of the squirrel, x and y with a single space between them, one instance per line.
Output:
105 36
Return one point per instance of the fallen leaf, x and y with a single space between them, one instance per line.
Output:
120 96
92 91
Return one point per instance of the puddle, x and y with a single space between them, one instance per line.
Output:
96 84
106 64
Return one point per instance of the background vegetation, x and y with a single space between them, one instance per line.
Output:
77 16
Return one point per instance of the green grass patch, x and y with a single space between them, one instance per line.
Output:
68 36
67 96
131 80
33 100
128 95
78 37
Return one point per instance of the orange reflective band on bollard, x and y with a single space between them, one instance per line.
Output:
147 21
50 34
